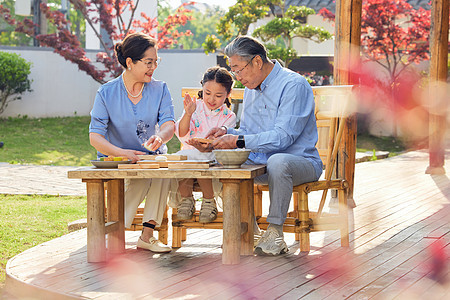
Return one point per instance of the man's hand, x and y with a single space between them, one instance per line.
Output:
228 141
216 132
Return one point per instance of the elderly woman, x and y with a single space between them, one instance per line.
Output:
130 112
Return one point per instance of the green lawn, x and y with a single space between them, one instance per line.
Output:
50 141
366 143
27 221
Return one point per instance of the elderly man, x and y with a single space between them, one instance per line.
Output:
278 125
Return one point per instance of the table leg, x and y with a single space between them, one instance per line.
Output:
231 222
247 216
115 206
96 246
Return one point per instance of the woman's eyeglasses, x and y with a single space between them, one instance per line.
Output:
151 62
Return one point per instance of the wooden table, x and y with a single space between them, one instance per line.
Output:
238 213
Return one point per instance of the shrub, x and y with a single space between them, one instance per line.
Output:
13 78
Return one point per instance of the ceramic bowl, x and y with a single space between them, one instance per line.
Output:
231 158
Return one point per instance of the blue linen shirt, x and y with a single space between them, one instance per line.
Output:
127 125
278 117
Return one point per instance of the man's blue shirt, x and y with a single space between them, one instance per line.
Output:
278 117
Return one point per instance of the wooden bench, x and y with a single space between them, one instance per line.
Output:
330 104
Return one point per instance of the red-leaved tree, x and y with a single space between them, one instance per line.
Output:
110 15
394 35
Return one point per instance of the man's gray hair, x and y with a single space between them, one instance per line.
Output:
246 47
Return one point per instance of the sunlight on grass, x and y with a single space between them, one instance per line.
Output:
57 158
27 221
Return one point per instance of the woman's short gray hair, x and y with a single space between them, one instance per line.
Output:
246 47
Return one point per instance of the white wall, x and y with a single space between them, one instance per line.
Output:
182 68
60 89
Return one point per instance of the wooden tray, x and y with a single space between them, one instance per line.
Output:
181 163
139 166
184 164
169 157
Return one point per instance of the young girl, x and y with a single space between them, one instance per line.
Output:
212 109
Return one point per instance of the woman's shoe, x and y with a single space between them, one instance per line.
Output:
153 245
208 212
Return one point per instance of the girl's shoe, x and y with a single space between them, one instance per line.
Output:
208 212
186 209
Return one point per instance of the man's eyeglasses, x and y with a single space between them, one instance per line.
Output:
239 71
150 63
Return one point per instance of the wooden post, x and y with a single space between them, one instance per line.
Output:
96 245
347 55
438 79
115 207
304 218
247 216
231 222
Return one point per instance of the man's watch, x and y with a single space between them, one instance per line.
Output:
240 143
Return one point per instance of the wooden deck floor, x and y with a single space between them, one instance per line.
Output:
401 216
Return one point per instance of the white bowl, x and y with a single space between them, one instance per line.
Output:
231 158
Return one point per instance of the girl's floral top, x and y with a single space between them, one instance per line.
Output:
203 120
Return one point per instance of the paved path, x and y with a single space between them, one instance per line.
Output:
35 179
52 180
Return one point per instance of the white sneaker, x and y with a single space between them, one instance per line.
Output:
153 245
257 237
271 243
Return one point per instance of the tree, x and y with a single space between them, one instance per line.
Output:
14 79
200 25
286 25
110 15
393 35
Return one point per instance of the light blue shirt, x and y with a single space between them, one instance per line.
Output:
127 125
279 118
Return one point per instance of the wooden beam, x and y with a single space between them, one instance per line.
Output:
347 54
438 86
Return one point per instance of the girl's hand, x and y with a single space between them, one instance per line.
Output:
153 143
190 104
202 147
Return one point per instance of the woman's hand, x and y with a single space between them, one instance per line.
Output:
190 104
202 147
153 143
132 155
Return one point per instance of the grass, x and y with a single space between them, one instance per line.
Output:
366 143
50 141
27 221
